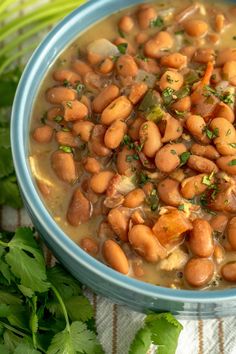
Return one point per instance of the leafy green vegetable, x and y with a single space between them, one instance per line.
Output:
158 22
232 163
8 84
184 157
66 149
149 101
122 47
156 114
141 342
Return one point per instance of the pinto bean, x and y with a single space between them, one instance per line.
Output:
156 45
150 137
130 49
89 245
193 186
93 58
232 233
141 37
224 55
105 97
125 163
174 60
134 198
207 151
149 65
172 79
63 165
74 110
83 129
195 28
91 165
167 158
227 164
126 66
198 272
43 135
99 182
204 55
115 256
219 222
229 71
219 22
168 191
201 164
93 81
188 51
228 271
226 135
96 143
137 91
79 210
81 67
66 75
120 109
115 134
126 24
146 16
225 111
200 240
58 94
182 105
173 129
106 66
196 126
118 219
44 188
66 138
219 253
134 128
145 243
54 112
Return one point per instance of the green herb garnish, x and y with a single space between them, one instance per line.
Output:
122 47
58 119
184 157
232 163
69 104
66 149
181 207
158 22
211 134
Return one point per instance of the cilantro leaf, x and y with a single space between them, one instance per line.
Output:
4 310
10 194
232 162
141 341
4 349
184 157
6 163
4 137
25 348
84 310
26 260
122 47
8 298
8 84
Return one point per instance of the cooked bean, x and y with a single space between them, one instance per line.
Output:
226 135
43 134
83 129
137 91
74 110
118 219
99 182
54 112
149 65
92 81
195 28
219 222
172 79
66 75
174 60
120 109
218 253
204 55
126 66
156 45
173 129
182 105
115 257
81 67
146 16
106 66
167 158
66 138
201 164
229 71
105 97
87 102
115 134
126 24
224 55
219 22
89 245
126 164
150 137
225 111
145 243
188 51
57 95
228 271
168 191
135 127
200 240
138 270
137 217
207 151
193 186
79 209
196 126
141 37
91 165
232 233
93 58
198 272
130 50
96 143
44 188
227 164
134 198
63 165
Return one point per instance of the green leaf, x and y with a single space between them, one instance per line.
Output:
26 260
232 162
165 331
141 341
158 22
4 349
122 47
4 310
27 292
9 299
79 308
184 157
11 340
61 344
6 163
25 348
10 194
4 137
8 84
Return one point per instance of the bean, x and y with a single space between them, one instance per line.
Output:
106 66
104 98
81 67
145 243
167 158
219 22
174 60
219 253
168 191
91 165
115 134
120 109
134 128
171 79
83 129
66 138
89 245
74 110
66 75
146 16
79 210
226 135
141 37
219 222
43 135
57 95
99 182
228 271
207 151
156 45
63 165
126 66
195 28
229 71
137 217
137 91
93 58
204 55
201 164
138 270
126 24
150 137
118 219
173 129
193 186
134 198
225 111
115 256
224 55
92 81
198 272
44 188
232 233
87 102
130 50
126 164
227 164
182 105
149 65
54 112
196 126
96 143
188 51
200 240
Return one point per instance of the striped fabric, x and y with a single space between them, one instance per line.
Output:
117 324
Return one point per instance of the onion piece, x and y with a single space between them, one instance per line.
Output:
144 76
103 47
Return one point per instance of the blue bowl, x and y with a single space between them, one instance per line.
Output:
137 295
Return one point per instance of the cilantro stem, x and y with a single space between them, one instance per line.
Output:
3 244
13 329
61 302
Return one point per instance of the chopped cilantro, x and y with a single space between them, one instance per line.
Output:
143 179
122 47
233 145
69 104
128 141
121 33
179 113
181 207
142 57
80 88
158 22
180 32
66 149
58 119
211 134
232 162
207 180
184 157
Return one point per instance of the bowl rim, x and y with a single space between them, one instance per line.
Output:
20 130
